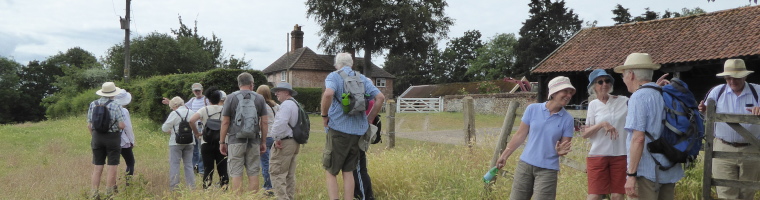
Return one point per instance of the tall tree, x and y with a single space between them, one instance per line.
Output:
622 15
455 59
669 14
646 16
412 68
9 85
550 24
376 25
695 11
495 60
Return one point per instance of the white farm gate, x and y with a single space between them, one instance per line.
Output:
419 105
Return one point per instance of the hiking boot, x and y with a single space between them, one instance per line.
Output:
94 195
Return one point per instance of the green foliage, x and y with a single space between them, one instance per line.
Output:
688 12
495 60
310 98
410 69
622 15
374 25
9 85
487 87
455 60
463 91
226 79
550 24
646 16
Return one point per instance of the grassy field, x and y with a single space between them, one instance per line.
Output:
52 160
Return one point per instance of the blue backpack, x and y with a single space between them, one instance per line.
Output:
684 130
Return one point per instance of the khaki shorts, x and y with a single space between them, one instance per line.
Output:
341 152
243 155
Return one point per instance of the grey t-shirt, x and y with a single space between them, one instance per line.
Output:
230 106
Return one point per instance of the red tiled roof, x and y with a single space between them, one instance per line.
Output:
306 59
718 35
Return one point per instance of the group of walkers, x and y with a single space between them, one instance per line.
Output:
254 134
618 128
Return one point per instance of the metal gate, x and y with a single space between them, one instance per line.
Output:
419 105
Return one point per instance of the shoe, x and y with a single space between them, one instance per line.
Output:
195 168
269 193
94 195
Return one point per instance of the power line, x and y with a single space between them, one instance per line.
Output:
114 8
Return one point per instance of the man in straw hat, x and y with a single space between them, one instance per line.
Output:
108 144
739 97
285 149
645 114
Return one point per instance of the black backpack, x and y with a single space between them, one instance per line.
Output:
211 130
379 125
185 134
101 118
302 127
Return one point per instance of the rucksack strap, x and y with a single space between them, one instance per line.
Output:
723 89
209 115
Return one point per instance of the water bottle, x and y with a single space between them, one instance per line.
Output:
490 174
346 102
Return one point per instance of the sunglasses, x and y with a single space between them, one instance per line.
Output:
608 81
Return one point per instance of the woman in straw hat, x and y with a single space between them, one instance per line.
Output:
549 129
605 121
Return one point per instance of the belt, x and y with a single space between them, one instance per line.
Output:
285 138
734 144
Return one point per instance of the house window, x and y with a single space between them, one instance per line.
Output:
380 82
283 74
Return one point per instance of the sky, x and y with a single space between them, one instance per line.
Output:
37 29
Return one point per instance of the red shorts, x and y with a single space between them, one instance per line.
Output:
606 174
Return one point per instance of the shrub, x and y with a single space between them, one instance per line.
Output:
310 98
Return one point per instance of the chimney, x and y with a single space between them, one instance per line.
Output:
296 37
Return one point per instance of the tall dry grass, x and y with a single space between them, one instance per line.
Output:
51 160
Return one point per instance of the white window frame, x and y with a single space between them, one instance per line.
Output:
283 74
380 82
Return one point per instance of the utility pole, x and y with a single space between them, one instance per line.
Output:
125 26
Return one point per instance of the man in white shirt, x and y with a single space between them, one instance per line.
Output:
282 163
735 97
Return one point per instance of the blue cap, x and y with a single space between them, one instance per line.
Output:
596 74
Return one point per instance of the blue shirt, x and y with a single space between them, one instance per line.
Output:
545 131
339 121
646 110
730 103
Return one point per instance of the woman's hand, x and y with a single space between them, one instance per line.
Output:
610 130
562 148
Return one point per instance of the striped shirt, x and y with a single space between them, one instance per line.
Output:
114 109
730 103
349 124
646 110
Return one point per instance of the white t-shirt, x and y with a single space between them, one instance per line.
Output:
214 110
613 112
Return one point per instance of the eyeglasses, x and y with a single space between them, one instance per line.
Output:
608 81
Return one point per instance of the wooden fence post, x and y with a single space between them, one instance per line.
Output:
506 131
469 120
708 148
391 115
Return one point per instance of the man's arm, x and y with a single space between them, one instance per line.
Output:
223 134
325 104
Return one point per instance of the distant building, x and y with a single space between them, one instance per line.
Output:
302 67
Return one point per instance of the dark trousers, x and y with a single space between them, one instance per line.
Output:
212 157
363 187
129 159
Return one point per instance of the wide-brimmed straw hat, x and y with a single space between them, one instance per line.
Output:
285 86
123 98
559 83
637 61
108 89
735 68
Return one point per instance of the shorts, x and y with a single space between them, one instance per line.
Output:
341 152
243 155
104 146
606 174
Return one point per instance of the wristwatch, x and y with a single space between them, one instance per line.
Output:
222 143
324 115
631 174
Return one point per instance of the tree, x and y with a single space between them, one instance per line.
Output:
646 16
622 16
550 24
495 60
455 59
376 25
412 68
695 11
669 14
9 85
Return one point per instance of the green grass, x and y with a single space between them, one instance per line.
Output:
52 160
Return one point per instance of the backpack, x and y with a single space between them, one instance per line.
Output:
246 117
211 130
353 98
302 127
101 117
684 130
184 134
377 138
